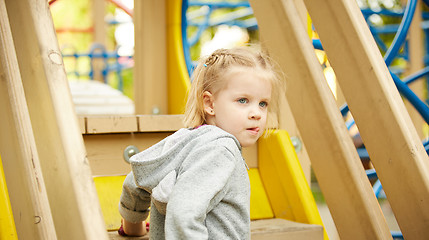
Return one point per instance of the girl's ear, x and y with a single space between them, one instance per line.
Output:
208 102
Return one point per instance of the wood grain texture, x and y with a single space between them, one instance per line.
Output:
333 156
386 128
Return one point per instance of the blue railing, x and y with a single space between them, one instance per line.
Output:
203 16
112 62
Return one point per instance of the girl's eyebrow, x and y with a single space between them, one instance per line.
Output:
266 99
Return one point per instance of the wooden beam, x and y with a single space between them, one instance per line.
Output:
150 56
286 119
416 62
392 142
130 123
106 138
18 149
98 8
160 123
105 151
333 156
111 124
71 191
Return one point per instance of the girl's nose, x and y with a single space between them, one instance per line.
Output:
255 114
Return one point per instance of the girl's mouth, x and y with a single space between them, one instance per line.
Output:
254 131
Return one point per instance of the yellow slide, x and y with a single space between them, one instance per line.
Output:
284 181
278 186
7 224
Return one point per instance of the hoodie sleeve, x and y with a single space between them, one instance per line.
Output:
201 184
134 201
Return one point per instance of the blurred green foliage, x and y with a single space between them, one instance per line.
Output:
77 15
74 23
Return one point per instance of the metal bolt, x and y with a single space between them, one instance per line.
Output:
155 110
297 144
129 152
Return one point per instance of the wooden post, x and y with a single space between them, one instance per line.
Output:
33 219
333 156
287 120
416 55
71 191
150 57
392 142
99 36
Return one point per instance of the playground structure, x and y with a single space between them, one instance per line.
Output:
48 138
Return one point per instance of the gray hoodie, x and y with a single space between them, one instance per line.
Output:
210 197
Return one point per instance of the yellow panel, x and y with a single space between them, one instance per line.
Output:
7 224
109 191
284 180
259 205
178 78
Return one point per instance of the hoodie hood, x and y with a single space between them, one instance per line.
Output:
153 164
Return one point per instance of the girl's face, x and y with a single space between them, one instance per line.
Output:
241 107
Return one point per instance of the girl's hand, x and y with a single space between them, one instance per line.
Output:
133 229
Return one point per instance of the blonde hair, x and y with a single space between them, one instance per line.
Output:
211 71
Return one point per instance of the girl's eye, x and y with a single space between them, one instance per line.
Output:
242 100
263 104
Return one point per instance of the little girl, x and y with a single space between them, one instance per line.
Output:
195 181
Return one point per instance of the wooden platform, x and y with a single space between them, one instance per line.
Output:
273 229
277 228
91 97
106 138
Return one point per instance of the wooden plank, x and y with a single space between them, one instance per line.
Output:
65 167
98 98
160 123
416 62
286 120
385 126
98 8
150 57
339 171
111 124
126 124
250 155
277 229
82 124
18 152
105 151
